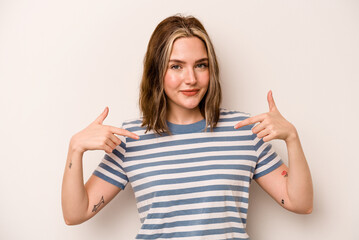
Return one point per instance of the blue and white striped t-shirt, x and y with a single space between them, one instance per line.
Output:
191 184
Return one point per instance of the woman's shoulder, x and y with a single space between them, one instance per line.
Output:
229 117
132 122
229 113
134 125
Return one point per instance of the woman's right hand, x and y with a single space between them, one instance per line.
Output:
97 136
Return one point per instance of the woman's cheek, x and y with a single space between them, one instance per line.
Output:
172 80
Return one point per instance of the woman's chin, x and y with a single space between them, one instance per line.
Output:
189 107
192 106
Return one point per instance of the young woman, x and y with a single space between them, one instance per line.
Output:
190 162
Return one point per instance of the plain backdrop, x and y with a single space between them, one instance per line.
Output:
63 62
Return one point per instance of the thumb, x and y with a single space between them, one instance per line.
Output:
271 103
102 117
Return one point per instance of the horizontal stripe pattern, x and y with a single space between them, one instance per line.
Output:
191 184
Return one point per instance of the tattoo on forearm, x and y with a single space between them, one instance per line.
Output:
285 173
97 206
70 165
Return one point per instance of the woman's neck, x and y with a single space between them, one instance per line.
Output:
184 116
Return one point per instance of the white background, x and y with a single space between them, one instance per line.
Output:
62 62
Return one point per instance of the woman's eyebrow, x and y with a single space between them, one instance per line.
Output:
180 61
202 60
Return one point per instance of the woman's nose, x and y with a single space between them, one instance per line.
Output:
190 77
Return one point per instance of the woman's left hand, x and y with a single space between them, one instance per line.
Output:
272 125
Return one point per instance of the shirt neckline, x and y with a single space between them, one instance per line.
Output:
187 128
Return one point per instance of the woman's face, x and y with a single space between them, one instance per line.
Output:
187 76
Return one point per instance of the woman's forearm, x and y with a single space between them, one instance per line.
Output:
299 185
74 195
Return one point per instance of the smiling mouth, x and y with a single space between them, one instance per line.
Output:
190 92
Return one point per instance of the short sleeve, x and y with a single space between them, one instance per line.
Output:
111 167
267 159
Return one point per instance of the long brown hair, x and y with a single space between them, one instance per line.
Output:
153 103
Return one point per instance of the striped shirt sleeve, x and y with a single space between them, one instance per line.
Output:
267 159
111 167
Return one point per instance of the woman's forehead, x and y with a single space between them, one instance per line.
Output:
188 48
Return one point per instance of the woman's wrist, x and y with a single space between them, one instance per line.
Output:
292 136
74 148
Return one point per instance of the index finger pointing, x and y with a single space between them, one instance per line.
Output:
124 132
249 121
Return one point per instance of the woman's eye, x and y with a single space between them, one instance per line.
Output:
175 67
202 65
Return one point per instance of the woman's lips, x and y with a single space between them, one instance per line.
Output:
190 92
